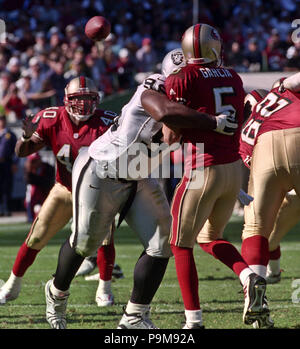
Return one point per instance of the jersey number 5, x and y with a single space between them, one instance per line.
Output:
219 94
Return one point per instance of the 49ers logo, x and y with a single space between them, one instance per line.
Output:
214 34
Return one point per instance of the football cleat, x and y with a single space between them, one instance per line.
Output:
273 278
55 309
104 300
87 266
138 321
193 326
11 289
254 292
265 321
117 272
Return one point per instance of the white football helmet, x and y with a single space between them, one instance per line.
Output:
172 61
81 98
201 43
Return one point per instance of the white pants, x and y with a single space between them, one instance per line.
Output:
96 202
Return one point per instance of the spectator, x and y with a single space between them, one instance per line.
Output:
55 80
8 163
13 68
146 57
39 178
5 81
253 56
235 58
15 103
126 70
38 97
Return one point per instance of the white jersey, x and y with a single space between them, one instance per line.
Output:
133 128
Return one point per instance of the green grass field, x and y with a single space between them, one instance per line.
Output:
219 288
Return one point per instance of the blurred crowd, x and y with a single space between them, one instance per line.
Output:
45 46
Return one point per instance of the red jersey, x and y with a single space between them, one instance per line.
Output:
209 90
65 138
277 111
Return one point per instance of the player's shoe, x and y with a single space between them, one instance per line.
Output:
193 326
265 321
272 278
104 299
55 309
87 266
254 292
117 272
11 289
138 321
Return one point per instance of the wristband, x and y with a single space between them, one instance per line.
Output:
24 138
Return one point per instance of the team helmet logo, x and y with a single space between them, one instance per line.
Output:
214 34
177 58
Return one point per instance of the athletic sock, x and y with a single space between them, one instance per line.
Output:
187 276
105 260
134 308
24 259
193 316
226 253
68 264
147 276
255 251
104 286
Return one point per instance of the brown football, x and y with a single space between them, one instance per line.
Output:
97 28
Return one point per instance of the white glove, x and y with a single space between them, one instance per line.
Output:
226 123
245 198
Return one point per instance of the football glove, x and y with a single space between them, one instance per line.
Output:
28 126
226 123
245 198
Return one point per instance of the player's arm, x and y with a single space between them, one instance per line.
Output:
292 83
177 115
28 143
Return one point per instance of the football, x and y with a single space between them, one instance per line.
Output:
97 28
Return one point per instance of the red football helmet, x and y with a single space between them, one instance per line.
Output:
81 98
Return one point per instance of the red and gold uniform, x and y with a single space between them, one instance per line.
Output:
271 140
209 90
57 131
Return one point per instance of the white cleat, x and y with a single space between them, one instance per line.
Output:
104 300
11 289
273 278
87 266
138 321
55 309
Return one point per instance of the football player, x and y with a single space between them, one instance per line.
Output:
289 212
274 132
66 130
202 212
101 191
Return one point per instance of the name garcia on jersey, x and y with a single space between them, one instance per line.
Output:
215 73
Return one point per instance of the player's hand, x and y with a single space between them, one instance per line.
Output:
28 126
226 123
245 198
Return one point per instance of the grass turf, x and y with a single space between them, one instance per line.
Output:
219 288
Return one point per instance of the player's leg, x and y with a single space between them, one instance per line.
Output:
288 216
95 203
105 262
190 209
149 216
53 216
210 237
